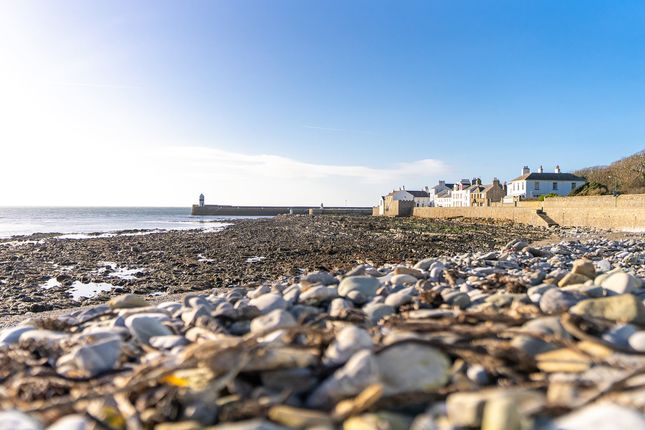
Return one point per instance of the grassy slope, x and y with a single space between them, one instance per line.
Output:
627 174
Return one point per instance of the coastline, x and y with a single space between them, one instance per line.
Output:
245 253
371 323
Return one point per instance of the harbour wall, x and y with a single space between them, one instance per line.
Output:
224 210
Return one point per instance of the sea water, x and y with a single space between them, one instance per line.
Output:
77 222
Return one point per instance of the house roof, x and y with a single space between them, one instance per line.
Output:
489 187
475 188
442 187
414 193
549 177
444 193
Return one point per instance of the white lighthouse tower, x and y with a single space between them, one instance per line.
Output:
201 200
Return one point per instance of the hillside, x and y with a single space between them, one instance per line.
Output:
626 175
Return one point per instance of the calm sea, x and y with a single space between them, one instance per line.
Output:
28 220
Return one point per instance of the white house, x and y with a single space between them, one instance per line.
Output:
420 198
438 189
534 184
443 199
461 192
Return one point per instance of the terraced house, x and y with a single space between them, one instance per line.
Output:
484 195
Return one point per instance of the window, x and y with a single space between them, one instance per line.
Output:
555 185
537 185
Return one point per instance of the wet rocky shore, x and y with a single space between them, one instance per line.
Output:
43 272
404 325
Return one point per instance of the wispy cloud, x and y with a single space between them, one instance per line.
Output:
175 175
274 166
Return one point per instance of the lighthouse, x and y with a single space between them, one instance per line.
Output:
201 200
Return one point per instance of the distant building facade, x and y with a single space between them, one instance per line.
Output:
531 185
443 199
418 199
484 195
438 190
461 193
421 199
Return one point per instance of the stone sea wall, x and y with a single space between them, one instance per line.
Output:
519 215
622 212
627 201
616 218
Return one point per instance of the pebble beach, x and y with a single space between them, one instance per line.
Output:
337 323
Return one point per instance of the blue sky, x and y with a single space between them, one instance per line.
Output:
308 100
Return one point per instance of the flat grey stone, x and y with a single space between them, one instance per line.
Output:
269 302
357 374
93 359
601 416
71 422
376 311
637 341
556 301
365 285
11 335
15 420
318 294
168 342
348 341
274 320
621 283
412 367
321 277
146 325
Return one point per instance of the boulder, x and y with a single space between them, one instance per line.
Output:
622 308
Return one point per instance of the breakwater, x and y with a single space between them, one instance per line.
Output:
225 210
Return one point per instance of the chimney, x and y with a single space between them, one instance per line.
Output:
526 170
557 169
442 183
541 170
495 181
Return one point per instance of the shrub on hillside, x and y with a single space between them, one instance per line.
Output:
591 189
626 175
